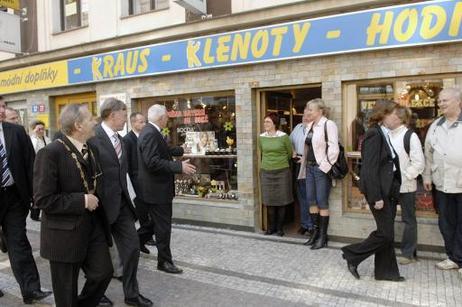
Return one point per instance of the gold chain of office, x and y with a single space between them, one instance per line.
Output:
77 163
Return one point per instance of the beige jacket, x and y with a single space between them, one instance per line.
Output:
411 165
443 154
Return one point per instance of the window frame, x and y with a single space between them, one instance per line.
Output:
63 17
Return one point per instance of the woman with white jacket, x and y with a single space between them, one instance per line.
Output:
412 164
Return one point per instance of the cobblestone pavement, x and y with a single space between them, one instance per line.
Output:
231 268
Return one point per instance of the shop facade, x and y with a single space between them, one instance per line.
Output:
217 114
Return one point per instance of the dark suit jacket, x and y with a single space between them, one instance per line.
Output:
59 192
21 156
156 166
114 174
130 141
377 166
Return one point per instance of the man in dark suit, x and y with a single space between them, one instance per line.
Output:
75 234
16 166
137 121
156 179
116 200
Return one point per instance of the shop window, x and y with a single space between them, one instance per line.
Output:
74 14
205 127
136 7
419 95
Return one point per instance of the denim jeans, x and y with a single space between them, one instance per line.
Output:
409 240
450 222
305 218
318 186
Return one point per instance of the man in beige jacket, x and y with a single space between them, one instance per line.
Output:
443 153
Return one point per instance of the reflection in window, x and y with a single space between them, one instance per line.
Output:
142 6
74 14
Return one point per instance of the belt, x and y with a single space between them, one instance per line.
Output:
312 163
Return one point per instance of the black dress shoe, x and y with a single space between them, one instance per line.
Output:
1 293
119 278
280 233
168 267
352 268
150 242
105 301
139 301
35 296
397 279
269 232
302 230
144 249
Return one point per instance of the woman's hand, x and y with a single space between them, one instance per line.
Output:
378 205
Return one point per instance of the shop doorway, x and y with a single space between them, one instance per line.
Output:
289 104
88 99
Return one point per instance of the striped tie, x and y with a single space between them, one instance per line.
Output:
5 173
117 145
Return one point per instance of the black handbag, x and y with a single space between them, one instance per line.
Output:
340 168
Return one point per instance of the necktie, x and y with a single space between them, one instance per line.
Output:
6 177
85 151
117 145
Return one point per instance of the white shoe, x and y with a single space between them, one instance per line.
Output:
447 264
405 260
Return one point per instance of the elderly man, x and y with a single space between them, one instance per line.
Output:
75 233
156 183
15 198
12 116
117 203
443 167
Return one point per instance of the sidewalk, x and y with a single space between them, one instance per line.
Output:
232 268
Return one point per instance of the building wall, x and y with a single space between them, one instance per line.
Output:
331 72
245 5
104 22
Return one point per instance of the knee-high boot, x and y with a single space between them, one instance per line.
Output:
322 239
314 236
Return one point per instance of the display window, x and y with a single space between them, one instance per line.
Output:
420 95
205 126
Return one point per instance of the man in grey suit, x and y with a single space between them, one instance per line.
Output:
116 199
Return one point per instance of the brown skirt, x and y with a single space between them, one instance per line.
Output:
276 187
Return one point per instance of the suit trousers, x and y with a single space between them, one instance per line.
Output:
97 268
13 214
142 213
162 217
128 245
380 242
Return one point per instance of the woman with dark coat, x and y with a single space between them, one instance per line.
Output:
380 183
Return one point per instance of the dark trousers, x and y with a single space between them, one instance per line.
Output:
379 242
162 216
13 214
127 243
98 271
409 240
450 223
142 213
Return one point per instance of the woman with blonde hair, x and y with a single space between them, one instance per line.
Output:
321 152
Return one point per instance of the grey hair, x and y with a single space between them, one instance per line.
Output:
12 110
319 103
71 114
156 111
457 92
111 105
